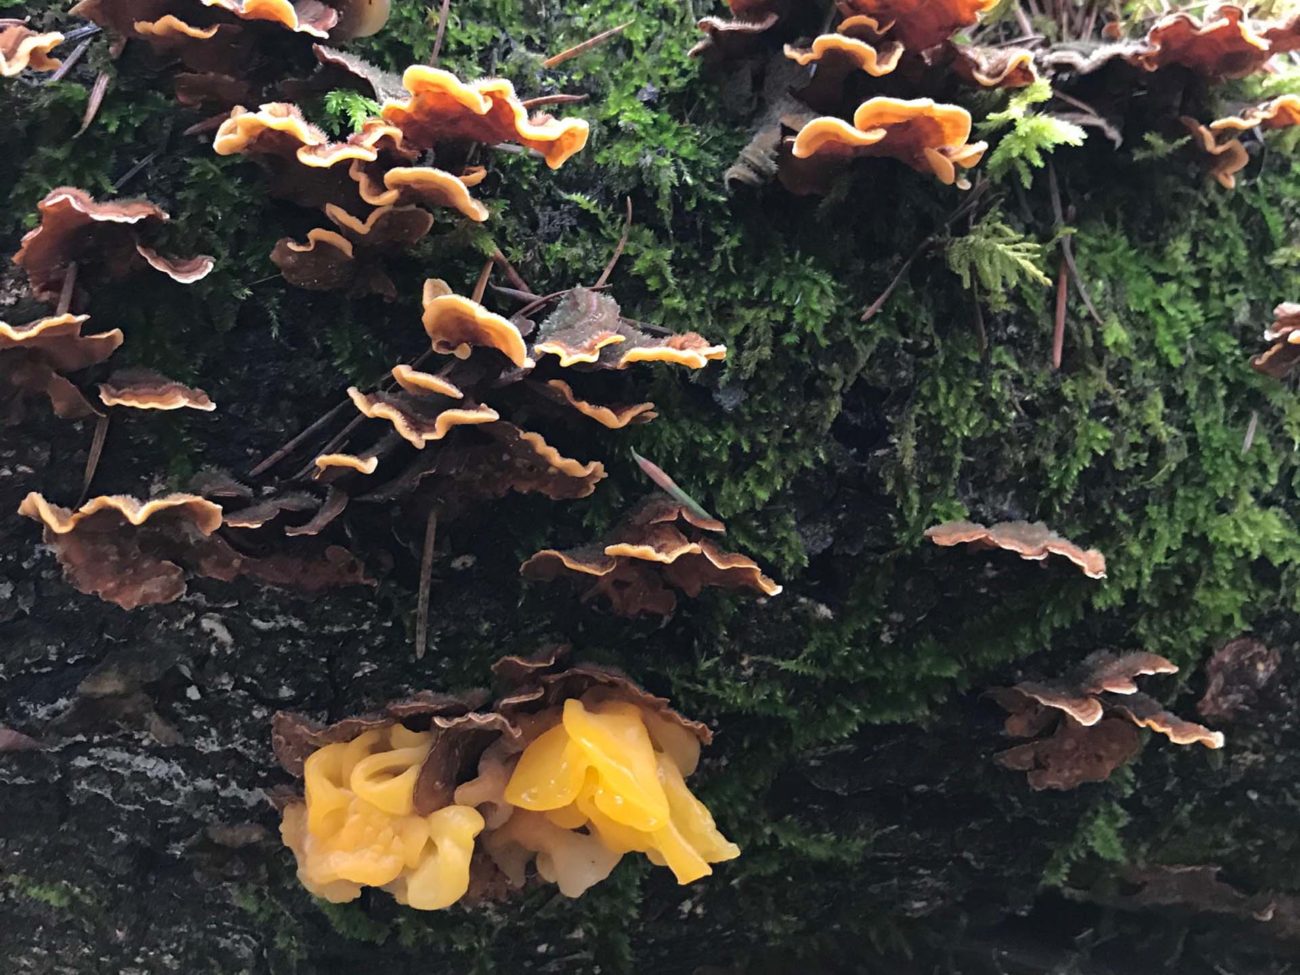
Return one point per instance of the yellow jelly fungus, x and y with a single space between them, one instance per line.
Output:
619 772
358 826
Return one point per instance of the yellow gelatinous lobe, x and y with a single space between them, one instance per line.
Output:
358 826
617 771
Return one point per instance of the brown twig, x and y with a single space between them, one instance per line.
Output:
442 30
131 173
1067 244
511 274
207 125
279 455
426 582
540 100
92 458
69 288
584 47
1062 290
69 62
967 206
480 286
97 92
618 249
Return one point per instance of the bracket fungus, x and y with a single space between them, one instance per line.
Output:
350 258
1030 540
23 49
76 229
929 137
1225 159
138 553
34 358
737 35
1224 43
657 548
993 67
142 389
437 803
920 24
854 49
1279 359
441 109
1094 713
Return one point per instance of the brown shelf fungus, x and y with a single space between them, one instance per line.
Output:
1283 355
23 49
921 24
1224 159
35 357
660 546
142 389
442 110
438 803
101 236
138 553
737 35
1029 540
1093 714
929 137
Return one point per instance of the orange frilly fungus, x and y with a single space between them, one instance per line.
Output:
994 67
456 325
921 24
929 137
414 421
22 49
1225 159
1284 333
1223 44
35 356
1095 712
1279 113
350 257
572 768
1030 540
141 389
649 552
854 49
440 108
75 228
610 417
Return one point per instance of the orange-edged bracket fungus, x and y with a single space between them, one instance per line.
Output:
350 257
141 389
1094 711
436 803
138 553
441 109
921 24
659 547
34 358
850 51
1225 159
1284 334
929 137
1224 43
23 49
994 67
1029 540
76 229
1278 113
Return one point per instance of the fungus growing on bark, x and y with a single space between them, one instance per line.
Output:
647 553
441 109
349 462
1284 333
1235 675
610 417
1095 711
23 49
738 35
137 553
921 24
573 768
587 329
1029 540
993 67
854 49
415 421
1225 159
457 325
331 261
1223 44
142 389
35 357
929 137
76 229
1278 113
